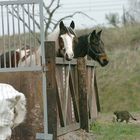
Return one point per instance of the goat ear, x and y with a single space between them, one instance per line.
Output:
72 25
93 33
61 25
99 33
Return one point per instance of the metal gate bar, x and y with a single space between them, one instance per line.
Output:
17 22
15 28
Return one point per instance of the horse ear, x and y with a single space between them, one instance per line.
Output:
72 25
99 33
61 25
93 33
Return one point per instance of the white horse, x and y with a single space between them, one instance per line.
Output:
12 110
64 39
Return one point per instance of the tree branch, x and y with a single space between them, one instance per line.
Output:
72 15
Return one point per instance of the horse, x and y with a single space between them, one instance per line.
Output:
91 45
8 57
65 40
12 111
13 57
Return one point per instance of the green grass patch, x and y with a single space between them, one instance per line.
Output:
119 81
116 131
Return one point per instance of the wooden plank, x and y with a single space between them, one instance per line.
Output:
96 92
60 112
81 67
51 88
62 61
66 92
59 94
67 129
73 96
91 63
75 77
89 94
69 116
93 102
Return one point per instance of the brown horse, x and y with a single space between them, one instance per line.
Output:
91 45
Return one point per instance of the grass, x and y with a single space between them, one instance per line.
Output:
116 131
120 38
119 82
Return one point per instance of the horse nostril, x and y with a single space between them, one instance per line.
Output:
69 58
72 55
105 61
66 55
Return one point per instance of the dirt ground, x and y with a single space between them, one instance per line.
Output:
77 135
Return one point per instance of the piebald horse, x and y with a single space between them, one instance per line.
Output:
12 58
64 38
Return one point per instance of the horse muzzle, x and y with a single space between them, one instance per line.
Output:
69 57
103 60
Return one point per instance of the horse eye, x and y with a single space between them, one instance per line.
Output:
61 43
75 40
63 49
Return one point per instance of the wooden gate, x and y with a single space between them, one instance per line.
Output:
72 98
72 93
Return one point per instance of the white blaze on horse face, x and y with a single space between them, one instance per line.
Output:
68 45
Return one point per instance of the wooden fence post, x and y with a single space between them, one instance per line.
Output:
82 89
51 88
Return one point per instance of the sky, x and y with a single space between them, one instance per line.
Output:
95 9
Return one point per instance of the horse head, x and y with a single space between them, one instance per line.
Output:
96 48
67 39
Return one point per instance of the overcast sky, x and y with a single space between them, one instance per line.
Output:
96 9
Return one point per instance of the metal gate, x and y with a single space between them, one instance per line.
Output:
21 33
